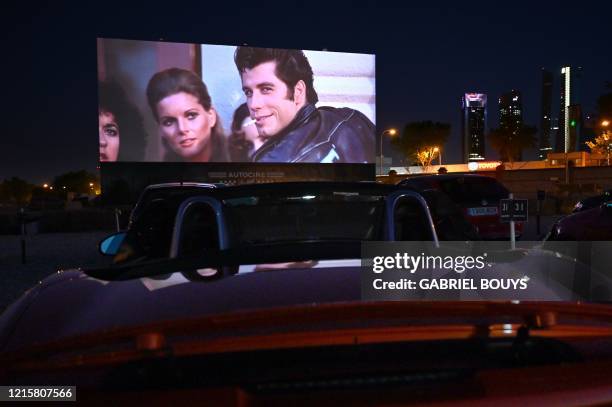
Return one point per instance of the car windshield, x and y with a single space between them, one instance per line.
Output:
323 216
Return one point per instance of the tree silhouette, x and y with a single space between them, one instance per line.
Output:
75 181
601 144
418 140
510 144
16 190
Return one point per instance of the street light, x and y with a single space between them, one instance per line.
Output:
382 136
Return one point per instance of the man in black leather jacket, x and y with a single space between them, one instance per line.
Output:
278 85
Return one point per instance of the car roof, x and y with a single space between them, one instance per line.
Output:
280 188
180 185
180 191
440 177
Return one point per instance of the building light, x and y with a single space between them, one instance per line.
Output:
566 101
489 165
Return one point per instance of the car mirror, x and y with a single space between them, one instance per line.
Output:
110 245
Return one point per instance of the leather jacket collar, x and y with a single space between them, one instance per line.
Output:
300 118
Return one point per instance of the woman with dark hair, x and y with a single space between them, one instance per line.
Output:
120 129
189 125
245 139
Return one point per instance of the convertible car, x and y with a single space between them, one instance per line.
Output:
253 295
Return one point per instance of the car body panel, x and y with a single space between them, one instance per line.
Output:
292 327
593 201
71 303
586 225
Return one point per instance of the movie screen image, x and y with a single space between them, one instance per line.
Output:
197 103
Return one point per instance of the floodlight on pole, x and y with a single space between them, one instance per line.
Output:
391 132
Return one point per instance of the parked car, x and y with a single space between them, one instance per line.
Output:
151 225
593 224
593 201
258 301
152 232
477 195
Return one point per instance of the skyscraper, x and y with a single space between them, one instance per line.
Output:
511 114
569 110
474 126
554 128
545 113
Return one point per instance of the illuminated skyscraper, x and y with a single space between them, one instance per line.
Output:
545 145
569 111
511 114
474 126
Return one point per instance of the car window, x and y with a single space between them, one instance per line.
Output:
199 230
326 216
411 222
173 197
448 217
150 234
469 189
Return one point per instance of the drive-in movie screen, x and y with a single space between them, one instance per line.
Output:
196 103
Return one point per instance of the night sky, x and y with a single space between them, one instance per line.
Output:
426 58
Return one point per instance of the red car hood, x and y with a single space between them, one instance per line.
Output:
70 303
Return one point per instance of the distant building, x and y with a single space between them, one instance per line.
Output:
474 126
554 129
569 110
511 114
544 144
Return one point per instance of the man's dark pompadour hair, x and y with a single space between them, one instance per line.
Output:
291 67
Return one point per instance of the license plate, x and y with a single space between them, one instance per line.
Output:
483 211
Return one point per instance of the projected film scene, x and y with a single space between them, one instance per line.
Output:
195 103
